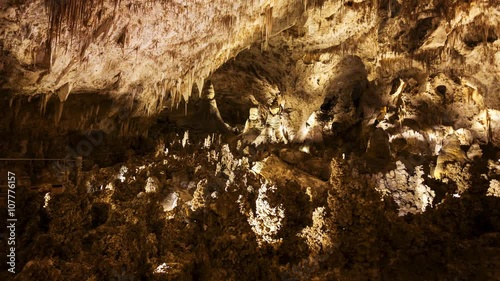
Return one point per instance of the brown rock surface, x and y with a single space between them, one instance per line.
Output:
379 158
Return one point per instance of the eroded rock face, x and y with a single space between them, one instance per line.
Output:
340 140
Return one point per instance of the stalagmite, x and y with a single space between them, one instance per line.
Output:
273 131
210 115
450 152
185 138
253 126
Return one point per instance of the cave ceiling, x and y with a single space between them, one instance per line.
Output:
152 49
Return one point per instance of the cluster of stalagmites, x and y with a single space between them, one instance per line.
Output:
434 128
199 208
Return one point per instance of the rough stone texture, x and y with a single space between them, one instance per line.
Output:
272 223
388 168
111 46
409 192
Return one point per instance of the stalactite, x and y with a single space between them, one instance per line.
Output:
488 126
188 86
178 93
172 97
64 91
43 103
75 15
58 114
268 25
199 84
159 103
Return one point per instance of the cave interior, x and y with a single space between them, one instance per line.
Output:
251 140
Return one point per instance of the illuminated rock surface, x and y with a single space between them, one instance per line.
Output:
342 140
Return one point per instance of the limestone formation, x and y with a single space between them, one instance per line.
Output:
274 130
250 140
253 126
